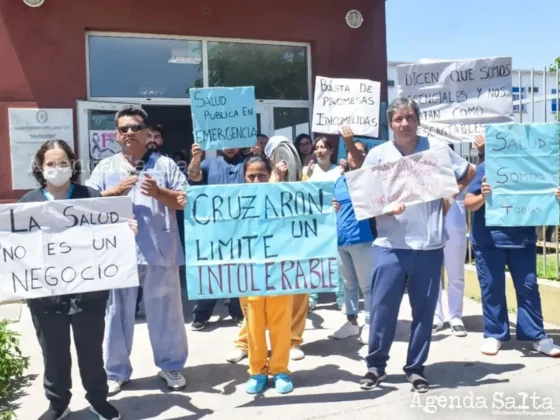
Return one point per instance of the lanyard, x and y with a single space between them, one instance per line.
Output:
49 196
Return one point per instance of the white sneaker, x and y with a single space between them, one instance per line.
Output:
115 386
458 329
346 331
436 328
547 346
491 346
364 335
296 354
236 356
174 379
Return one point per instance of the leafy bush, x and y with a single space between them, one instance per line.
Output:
12 365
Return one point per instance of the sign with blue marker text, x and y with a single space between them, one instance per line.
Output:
522 167
260 239
370 144
224 118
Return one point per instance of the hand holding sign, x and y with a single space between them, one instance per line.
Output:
336 205
281 170
486 188
196 152
396 209
133 223
149 186
182 199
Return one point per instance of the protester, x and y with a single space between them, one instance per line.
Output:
409 245
495 248
55 168
155 138
262 140
323 171
300 301
154 183
262 312
304 146
355 252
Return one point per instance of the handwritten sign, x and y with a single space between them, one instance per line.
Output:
260 239
522 168
224 118
457 98
370 144
418 178
351 102
66 246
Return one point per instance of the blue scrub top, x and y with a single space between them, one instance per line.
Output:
157 242
420 226
495 236
350 231
217 171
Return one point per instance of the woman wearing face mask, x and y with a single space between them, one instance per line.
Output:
55 168
355 251
262 312
304 146
323 171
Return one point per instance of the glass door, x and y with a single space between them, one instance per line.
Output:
97 138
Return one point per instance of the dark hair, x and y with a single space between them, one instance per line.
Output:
261 135
402 102
131 111
156 127
257 159
328 145
39 160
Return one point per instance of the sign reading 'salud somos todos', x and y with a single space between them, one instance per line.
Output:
458 98
346 102
224 118
260 239
66 246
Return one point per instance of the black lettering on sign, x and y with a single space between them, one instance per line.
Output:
105 243
518 177
63 248
229 133
200 100
491 72
328 86
220 115
266 246
459 76
325 120
196 210
90 219
414 78
31 224
517 144
304 228
12 253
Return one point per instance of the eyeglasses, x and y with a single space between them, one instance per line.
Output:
135 128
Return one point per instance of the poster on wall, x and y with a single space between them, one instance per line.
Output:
29 128
346 102
458 98
102 144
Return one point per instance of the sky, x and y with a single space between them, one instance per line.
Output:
526 30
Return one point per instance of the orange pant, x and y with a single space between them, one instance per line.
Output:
299 317
274 313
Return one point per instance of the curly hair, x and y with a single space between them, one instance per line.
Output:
39 160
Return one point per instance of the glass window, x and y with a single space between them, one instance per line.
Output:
135 67
276 71
290 122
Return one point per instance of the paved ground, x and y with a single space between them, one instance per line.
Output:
465 383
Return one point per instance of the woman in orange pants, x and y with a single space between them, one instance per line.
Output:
262 312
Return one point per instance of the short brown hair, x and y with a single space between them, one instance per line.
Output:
328 145
39 160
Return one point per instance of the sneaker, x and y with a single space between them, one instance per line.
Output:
547 346
459 330
198 325
364 335
238 321
115 386
52 414
282 383
419 383
174 379
491 346
105 411
346 331
236 356
371 380
436 328
296 353
256 384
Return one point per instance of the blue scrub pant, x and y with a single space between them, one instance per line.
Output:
392 267
522 263
164 316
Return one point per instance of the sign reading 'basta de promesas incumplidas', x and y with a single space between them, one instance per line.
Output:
62 247
260 240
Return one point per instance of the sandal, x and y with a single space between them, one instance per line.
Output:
419 383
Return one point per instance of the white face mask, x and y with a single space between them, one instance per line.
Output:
57 176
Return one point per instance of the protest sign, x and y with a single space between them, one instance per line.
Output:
522 168
260 240
103 143
66 246
457 98
346 102
224 118
343 150
418 178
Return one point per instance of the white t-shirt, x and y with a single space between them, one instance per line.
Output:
455 219
325 176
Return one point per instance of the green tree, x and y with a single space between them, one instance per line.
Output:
555 65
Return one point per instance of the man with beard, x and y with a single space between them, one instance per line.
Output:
155 138
227 168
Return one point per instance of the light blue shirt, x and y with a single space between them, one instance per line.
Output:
420 226
157 242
